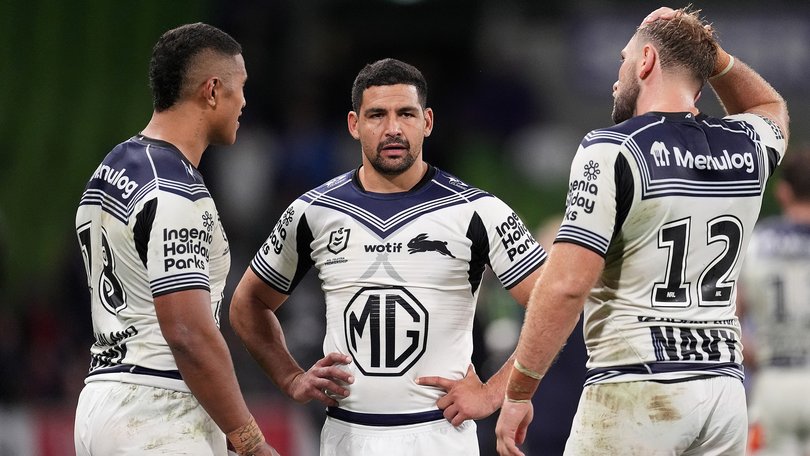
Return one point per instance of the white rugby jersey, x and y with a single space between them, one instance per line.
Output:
776 278
669 200
147 226
401 275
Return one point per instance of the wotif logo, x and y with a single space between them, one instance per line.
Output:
388 247
116 178
686 159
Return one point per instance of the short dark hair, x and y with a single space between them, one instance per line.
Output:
388 72
686 41
173 53
794 170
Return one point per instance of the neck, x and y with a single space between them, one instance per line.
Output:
667 94
181 128
374 181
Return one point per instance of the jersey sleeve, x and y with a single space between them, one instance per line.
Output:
179 244
771 137
284 257
590 206
514 253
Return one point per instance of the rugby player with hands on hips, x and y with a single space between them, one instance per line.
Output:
161 379
660 211
400 247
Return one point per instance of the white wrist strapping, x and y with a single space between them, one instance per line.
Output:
726 69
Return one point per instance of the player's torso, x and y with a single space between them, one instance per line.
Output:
131 255
401 274
687 199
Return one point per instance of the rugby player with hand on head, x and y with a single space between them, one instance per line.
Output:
651 249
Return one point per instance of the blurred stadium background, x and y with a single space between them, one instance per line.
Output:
514 85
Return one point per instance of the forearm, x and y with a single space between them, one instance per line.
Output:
205 363
497 383
554 308
549 322
741 90
261 333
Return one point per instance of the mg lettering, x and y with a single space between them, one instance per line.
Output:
386 330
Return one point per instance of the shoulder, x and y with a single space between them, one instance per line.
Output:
619 133
342 181
456 185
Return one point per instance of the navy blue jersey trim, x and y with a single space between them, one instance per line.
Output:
269 275
521 270
180 282
384 419
586 238
602 374
132 369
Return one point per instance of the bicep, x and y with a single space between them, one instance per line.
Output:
184 313
573 268
523 289
253 290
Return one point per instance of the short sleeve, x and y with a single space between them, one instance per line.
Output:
179 244
285 252
514 253
590 206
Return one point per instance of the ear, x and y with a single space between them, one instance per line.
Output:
210 91
428 121
649 56
352 120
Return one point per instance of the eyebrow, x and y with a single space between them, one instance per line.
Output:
376 110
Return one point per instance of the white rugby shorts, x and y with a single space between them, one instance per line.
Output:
705 417
341 438
118 419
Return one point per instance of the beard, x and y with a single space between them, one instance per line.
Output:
624 105
393 167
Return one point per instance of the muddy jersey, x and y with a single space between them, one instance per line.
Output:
147 227
669 201
776 280
401 275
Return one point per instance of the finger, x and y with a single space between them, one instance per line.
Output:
458 419
334 373
506 447
450 413
324 398
440 382
661 13
334 358
334 388
520 435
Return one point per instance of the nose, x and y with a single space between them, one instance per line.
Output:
392 126
615 86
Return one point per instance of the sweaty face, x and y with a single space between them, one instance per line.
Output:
230 101
391 127
627 88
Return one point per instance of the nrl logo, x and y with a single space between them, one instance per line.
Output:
338 240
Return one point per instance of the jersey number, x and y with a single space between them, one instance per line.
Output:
715 287
111 293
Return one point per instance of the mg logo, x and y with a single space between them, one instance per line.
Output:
386 330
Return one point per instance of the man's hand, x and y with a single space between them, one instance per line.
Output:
265 450
513 423
466 399
324 379
663 12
